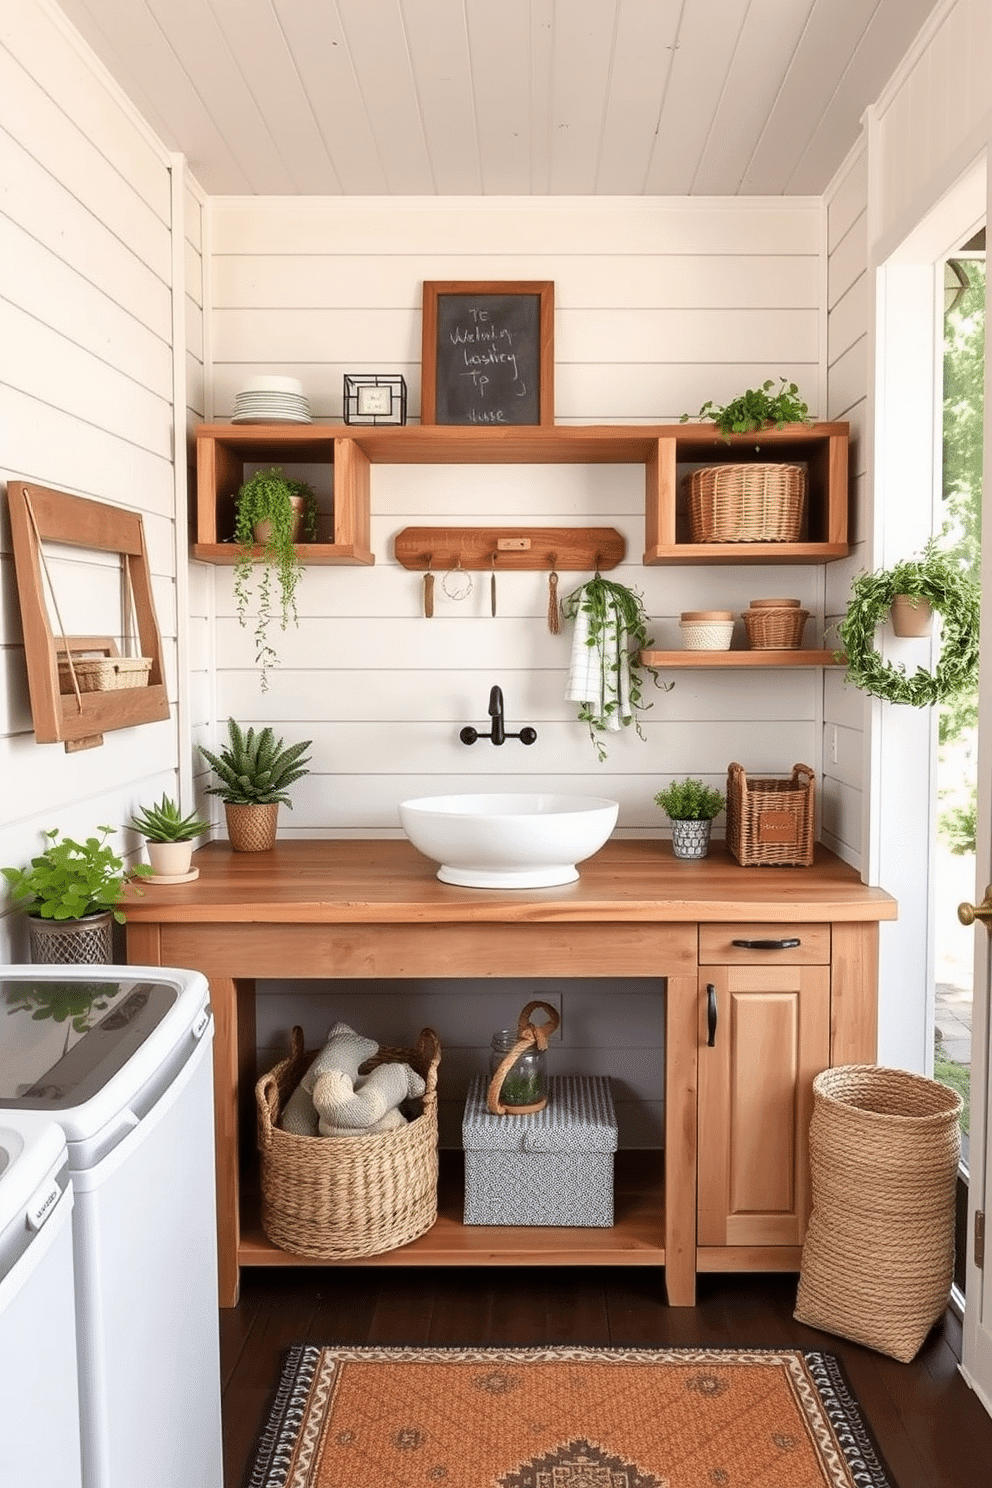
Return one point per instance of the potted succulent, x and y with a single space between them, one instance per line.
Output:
168 836
73 891
757 408
255 771
271 513
691 806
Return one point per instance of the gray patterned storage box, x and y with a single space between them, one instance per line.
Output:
553 1167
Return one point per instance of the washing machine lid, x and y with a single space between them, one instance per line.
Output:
78 1037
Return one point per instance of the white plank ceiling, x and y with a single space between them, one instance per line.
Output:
504 97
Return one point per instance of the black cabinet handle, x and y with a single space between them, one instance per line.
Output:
711 1015
767 945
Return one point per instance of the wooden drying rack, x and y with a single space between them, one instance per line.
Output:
510 549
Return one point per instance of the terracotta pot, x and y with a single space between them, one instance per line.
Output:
911 616
170 859
72 942
251 828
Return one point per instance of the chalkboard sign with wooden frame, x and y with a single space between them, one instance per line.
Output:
488 353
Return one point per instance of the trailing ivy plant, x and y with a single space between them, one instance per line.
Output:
617 628
268 497
939 578
756 409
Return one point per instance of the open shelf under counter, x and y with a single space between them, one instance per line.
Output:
634 1239
712 660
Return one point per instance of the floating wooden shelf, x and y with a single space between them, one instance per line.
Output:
510 549
712 660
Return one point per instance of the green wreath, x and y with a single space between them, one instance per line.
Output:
935 577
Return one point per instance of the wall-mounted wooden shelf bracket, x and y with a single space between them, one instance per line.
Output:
510 549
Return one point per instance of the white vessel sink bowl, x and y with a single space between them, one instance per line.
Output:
508 841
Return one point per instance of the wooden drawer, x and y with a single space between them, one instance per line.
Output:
717 948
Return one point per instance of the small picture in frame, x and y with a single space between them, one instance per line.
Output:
374 398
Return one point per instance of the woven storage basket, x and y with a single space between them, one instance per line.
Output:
770 822
747 503
779 628
341 1197
105 673
878 1257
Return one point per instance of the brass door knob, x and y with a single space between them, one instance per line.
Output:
969 913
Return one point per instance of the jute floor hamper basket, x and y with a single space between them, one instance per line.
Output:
878 1257
343 1197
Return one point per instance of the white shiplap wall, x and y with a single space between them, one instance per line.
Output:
659 306
86 400
848 301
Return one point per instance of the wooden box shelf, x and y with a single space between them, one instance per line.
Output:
823 448
222 452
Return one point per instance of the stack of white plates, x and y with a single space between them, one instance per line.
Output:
271 400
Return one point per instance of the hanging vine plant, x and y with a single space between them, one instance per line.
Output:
611 631
935 577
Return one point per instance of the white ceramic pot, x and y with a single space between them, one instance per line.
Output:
170 859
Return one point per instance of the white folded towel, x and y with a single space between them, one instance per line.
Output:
599 673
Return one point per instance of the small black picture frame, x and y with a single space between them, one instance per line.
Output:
374 398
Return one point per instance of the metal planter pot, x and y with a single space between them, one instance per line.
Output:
72 942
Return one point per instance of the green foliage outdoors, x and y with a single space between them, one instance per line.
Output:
756 409
690 800
255 769
71 880
163 823
267 497
963 419
958 1077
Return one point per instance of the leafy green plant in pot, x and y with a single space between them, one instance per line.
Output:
169 836
938 579
757 408
255 771
691 806
73 892
271 512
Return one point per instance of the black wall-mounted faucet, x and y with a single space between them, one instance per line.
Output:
497 732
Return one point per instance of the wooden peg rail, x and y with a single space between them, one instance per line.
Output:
510 549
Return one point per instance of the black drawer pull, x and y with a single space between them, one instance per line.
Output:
711 1015
767 945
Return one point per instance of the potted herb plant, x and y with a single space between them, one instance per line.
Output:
271 513
255 771
73 891
691 807
168 837
757 408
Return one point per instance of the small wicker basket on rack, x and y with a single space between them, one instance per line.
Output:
747 503
770 822
343 1197
778 628
104 673
878 1256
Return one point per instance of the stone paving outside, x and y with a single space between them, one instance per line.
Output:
955 949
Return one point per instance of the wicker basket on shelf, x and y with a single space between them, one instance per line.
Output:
342 1197
747 503
104 673
770 822
778 628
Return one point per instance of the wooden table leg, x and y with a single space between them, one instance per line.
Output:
224 1001
681 1053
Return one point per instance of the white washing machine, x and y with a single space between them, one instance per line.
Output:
120 1059
39 1393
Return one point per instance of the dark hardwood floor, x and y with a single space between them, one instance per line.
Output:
933 1432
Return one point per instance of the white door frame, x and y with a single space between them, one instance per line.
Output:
902 742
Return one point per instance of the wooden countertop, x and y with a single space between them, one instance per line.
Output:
386 881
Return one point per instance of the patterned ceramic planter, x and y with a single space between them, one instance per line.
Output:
691 839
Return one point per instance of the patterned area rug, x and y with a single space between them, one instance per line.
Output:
565 1418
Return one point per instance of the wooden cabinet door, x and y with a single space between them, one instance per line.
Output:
764 1033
